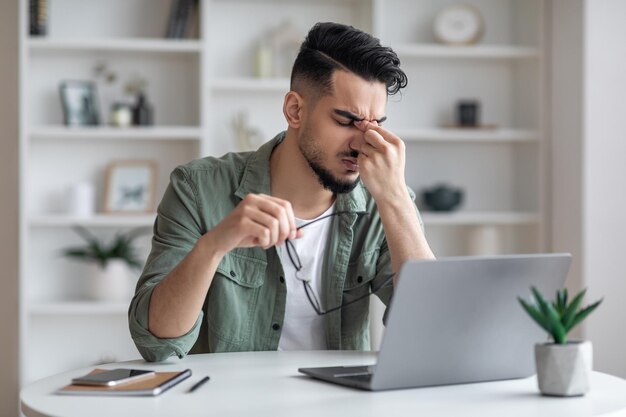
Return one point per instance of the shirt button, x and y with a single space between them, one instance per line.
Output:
276 326
359 279
282 280
232 274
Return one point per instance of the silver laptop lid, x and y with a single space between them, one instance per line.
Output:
457 320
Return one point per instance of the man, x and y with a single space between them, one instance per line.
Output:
234 267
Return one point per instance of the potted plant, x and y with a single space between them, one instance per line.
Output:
110 264
563 366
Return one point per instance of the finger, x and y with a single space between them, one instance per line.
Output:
291 217
276 208
256 233
367 150
375 140
267 221
361 125
384 133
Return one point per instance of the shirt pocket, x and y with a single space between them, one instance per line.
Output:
233 298
361 271
355 317
359 276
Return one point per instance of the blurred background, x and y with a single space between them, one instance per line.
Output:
513 123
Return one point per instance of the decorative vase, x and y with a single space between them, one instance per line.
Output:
143 112
121 114
112 283
563 370
442 197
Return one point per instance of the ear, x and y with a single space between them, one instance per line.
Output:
293 109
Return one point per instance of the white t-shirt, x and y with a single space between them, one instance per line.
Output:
303 329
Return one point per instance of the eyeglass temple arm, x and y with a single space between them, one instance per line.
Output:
374 291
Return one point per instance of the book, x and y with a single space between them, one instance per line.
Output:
179 19
42 17
32 17
156 385
171 20
38 17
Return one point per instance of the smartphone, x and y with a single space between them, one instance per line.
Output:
113 377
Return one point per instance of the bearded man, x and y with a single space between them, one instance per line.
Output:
280 248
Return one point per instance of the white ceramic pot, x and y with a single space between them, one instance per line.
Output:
112 283
563 370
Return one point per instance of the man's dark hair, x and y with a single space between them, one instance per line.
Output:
332 46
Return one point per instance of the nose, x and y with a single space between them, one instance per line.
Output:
358 140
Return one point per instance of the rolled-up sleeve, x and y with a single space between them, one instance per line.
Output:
176 230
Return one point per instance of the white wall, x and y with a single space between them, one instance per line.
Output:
9 312
588 170
604 208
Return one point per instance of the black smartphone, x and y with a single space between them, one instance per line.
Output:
113 377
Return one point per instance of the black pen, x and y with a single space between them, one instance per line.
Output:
199 384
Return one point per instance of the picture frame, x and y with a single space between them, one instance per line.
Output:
130 186
79 102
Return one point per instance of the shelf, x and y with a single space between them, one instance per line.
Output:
172 133
479 218
251 84
468 135
77 308
478 51
116 45
99 220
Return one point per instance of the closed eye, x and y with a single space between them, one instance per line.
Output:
347 124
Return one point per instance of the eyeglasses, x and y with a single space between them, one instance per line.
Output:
310 294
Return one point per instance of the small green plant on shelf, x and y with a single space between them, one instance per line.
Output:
557 317
101 252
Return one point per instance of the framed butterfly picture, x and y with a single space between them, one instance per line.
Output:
130 186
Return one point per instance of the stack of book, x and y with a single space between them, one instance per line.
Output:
38 13
179 21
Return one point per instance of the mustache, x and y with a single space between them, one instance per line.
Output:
349 154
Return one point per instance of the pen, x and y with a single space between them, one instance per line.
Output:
199 384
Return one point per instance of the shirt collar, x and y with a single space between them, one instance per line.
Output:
256 179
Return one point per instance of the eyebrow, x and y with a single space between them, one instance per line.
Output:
354 117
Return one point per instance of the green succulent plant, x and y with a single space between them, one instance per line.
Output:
121 247
558 317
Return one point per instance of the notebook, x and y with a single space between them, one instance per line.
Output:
156 385
457 320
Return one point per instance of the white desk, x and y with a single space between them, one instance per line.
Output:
268 384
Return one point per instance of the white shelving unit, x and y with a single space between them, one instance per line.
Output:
501 170
116 45
472 52
503 136
116 133
480 218
198 86
70 308
60 328
104 220
251 85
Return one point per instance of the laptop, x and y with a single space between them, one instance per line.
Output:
457 320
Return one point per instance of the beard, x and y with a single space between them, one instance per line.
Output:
315 157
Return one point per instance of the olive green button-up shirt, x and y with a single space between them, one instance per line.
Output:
245 306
